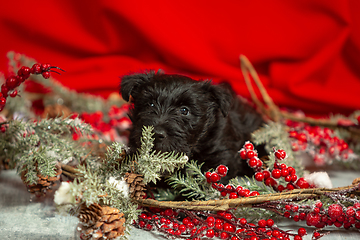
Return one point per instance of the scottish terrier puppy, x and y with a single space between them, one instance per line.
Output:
208 123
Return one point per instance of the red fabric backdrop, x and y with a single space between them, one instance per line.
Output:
306 52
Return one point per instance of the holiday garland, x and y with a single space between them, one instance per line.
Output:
110 190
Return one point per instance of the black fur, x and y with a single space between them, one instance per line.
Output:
207 122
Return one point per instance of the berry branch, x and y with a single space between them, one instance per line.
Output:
13 81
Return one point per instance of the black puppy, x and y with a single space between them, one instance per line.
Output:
207 122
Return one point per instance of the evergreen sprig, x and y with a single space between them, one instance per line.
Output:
152 164
192 184
42 144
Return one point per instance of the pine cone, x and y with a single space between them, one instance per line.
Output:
100 222
136 185
5 164
44 183
56 110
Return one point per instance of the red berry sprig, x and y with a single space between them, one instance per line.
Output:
279 170
197 225
320 143
13 81
318 215
232 191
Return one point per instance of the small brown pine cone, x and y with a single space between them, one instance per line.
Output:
44 183
136 185
56 110
5 164
90 215
100 222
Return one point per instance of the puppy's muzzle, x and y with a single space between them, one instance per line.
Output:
160 134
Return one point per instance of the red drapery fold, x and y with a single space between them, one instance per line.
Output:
306 52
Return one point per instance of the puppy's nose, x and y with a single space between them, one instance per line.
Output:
160 133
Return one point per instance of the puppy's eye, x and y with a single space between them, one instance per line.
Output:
184 111
151 104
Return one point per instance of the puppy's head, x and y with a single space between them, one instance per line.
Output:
181 109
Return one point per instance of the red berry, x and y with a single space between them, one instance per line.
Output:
249 146
284 172
293 134
222 170
233 195
297 237
319 204
270 222
182 227
316 210
335 210
168 212
250 154
210 233
254 193
280 188
46 75
259 176
316 235
229 227
270 182
210 219
262 223
243 154
244 192
350 211
275 233
291 170
45 67
301 137
24 72
243 221
266 174
224 235
302 231
288 178
215 177
302 183
11 82
2 101
312 219
13 93
276 173
289 186
253 162
207 175
280 154
36 69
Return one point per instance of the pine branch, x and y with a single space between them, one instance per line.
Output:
193 183
42 143
151 164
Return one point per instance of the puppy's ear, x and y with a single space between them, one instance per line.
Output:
129 85
223 96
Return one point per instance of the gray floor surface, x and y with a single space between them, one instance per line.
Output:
24 217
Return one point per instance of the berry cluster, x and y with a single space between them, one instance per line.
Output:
234 192
279 170
321 143
223 225
112 129
318 216
13 81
